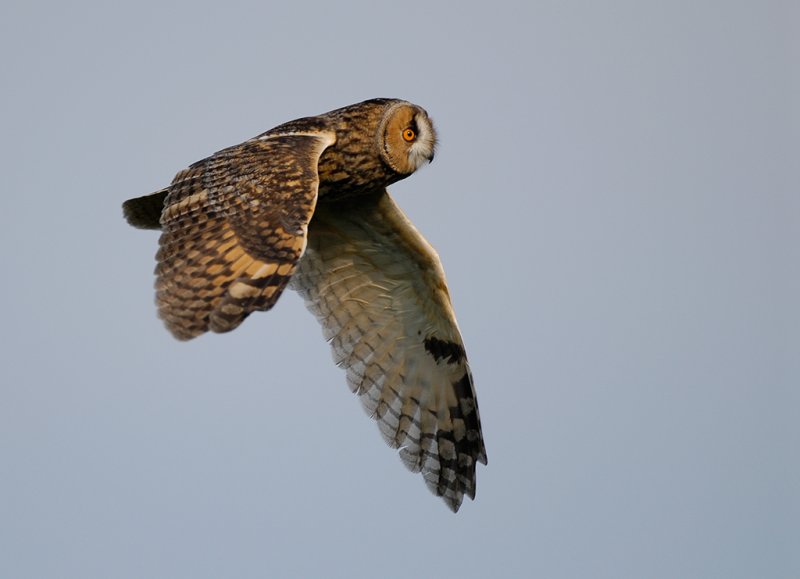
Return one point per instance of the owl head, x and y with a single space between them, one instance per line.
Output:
407 137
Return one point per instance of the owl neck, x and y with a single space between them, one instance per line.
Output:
344 172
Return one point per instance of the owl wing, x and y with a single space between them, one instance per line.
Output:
234 226
378 289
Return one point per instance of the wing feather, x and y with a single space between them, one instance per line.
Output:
379 291
234 226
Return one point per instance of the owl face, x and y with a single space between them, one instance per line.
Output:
407 136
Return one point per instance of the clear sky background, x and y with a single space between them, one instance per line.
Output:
616 200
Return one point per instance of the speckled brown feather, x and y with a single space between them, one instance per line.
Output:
354 164
233 232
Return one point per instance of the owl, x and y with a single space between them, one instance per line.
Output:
305 205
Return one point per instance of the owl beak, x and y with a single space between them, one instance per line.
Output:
430 159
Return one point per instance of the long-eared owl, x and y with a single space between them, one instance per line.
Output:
305 205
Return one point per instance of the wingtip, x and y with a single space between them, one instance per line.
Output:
453 505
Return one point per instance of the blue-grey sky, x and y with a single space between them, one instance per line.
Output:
616 200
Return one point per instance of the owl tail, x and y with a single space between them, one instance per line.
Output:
145 212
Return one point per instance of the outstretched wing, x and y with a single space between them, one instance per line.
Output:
234 226
379 291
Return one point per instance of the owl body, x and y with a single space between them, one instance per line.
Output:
306 203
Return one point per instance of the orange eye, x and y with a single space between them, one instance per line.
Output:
409 135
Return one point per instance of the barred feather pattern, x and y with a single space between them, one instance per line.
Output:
234 226
378 289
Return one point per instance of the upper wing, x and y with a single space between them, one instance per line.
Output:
234 226
379 291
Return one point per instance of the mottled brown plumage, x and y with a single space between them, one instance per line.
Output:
306 203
